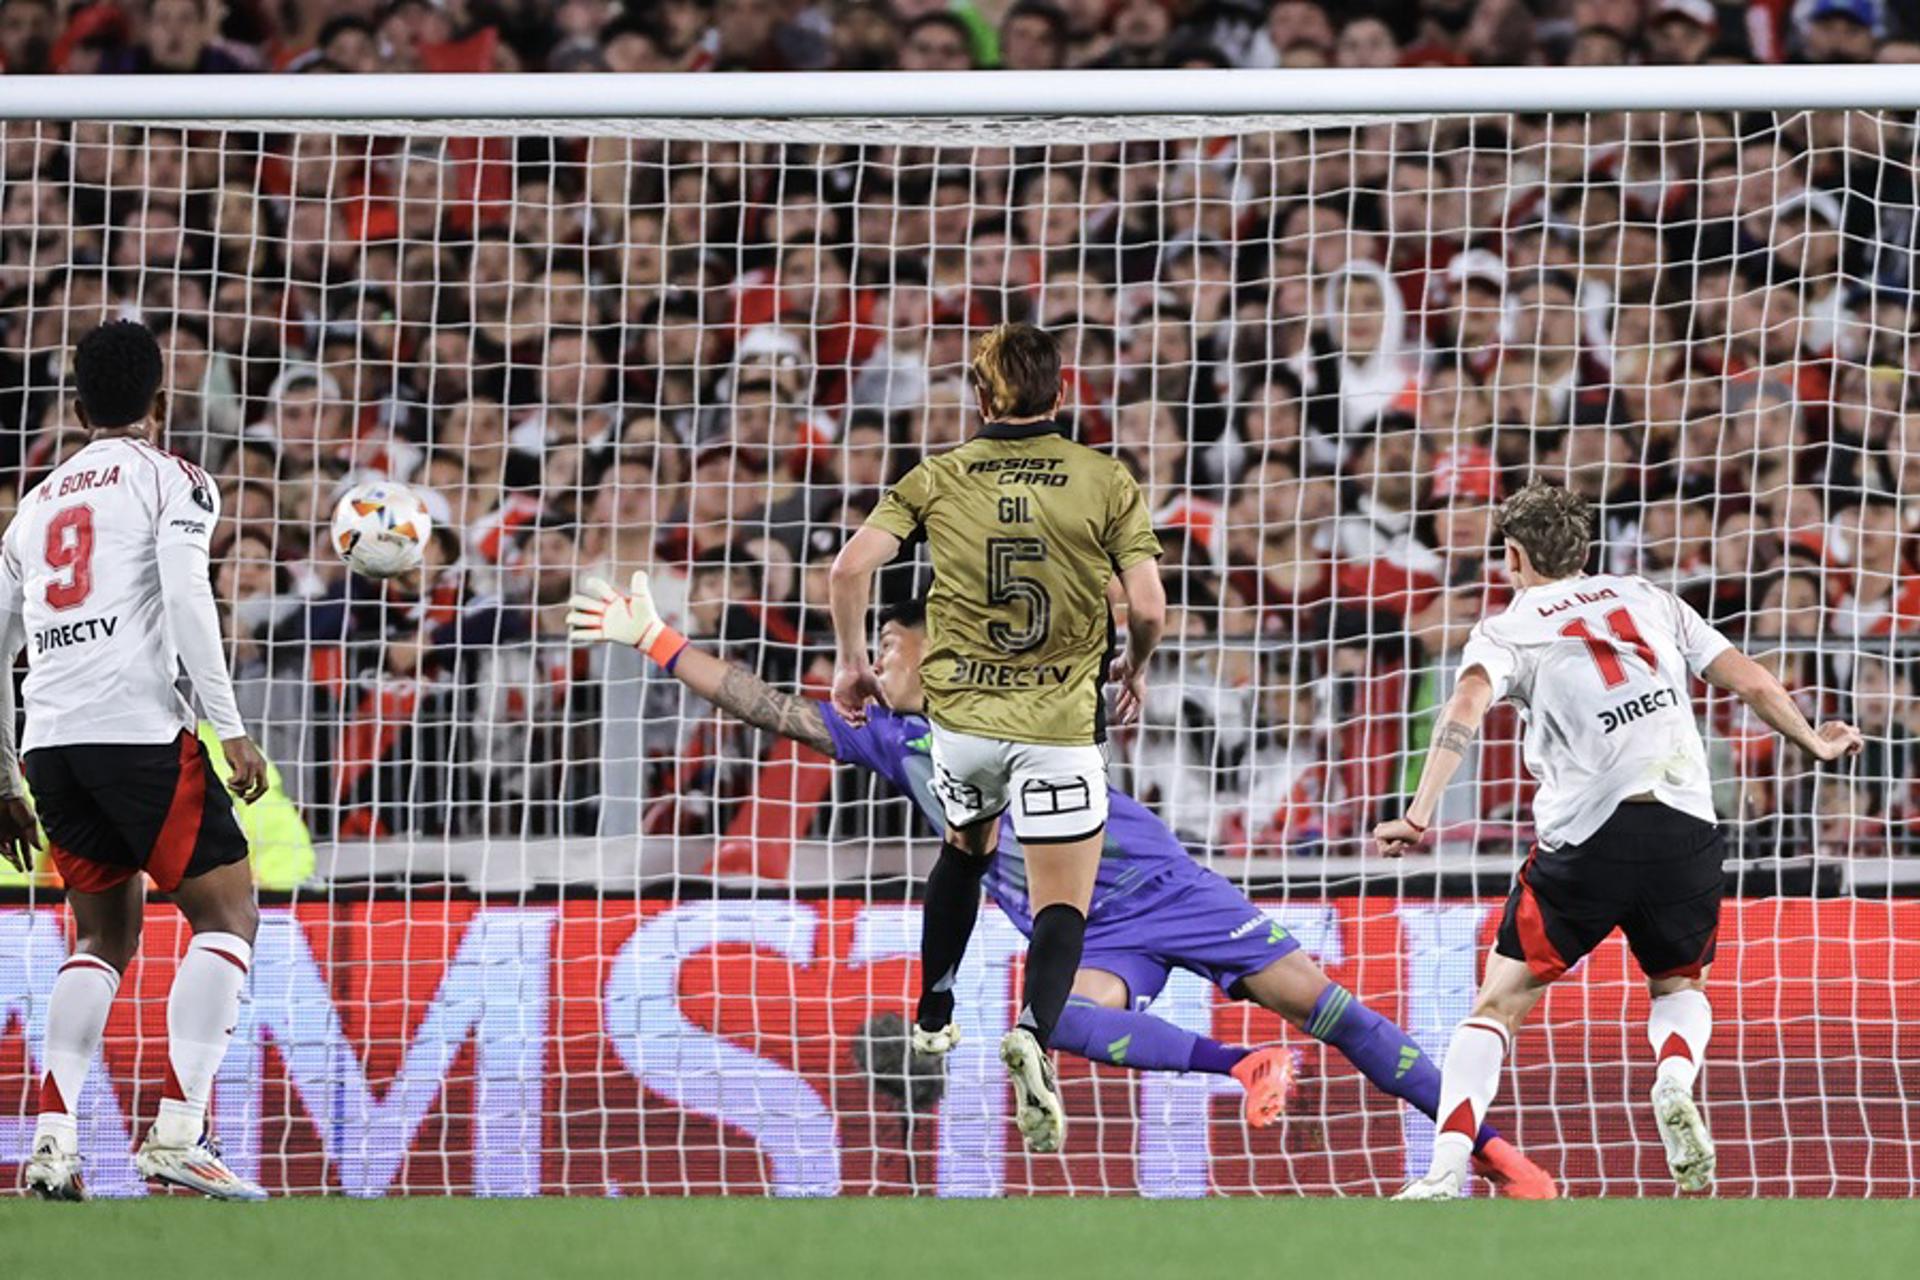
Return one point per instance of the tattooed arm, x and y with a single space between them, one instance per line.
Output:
599 613
1452 739
741 694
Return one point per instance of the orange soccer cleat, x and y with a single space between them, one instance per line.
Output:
1513 1175
1268 1076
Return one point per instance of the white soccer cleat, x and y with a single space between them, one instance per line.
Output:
1683 1130
1441 1184
198 1167
1041 1119
53 1173
936 1044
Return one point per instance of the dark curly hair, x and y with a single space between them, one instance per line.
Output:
117 372
1552 523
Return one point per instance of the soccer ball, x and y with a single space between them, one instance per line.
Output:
380 529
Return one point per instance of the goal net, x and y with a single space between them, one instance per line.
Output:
537 920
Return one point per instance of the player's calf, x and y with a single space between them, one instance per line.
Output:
1678 1026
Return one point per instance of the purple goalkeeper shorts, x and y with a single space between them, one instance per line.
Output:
1197 922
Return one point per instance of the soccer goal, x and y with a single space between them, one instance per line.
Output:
538 920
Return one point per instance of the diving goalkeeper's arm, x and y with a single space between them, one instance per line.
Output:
598 613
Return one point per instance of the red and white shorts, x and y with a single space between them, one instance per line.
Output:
113 810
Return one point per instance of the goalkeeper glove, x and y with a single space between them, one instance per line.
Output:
598 612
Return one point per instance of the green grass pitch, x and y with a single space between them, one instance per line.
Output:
1047 1239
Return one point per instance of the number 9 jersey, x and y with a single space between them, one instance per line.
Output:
80 566
1026 529
1600 667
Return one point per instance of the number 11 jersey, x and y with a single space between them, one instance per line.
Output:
83 552
1599 667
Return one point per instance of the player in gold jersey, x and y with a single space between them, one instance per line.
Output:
1027 531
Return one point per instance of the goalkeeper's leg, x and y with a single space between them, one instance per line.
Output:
202 1008
1105 1021
1299 990
107 925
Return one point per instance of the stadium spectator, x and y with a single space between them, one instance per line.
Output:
1034 37
1366 40
937 41
1681 32
180 37
27 29
1839 30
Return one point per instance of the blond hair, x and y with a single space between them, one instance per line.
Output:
1552 523
1016 372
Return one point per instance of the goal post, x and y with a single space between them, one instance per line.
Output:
537 920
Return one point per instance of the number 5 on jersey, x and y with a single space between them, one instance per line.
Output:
1605 652
70 553
1006 587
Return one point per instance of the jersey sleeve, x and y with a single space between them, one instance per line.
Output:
1498 659
189 507
879 745
1700 641
12 638
1129 536
904 509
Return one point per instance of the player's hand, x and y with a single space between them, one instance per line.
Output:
1398 836
249 780
19 832
1131 696
853 688
597 613
1837 738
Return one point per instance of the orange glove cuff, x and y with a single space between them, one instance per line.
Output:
666 647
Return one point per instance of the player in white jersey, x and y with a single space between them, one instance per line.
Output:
1600 668
104 580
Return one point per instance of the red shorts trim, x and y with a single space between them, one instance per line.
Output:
173 847
1543 958
1698 965
84 875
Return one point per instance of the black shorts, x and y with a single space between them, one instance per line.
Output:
1653 872
113 810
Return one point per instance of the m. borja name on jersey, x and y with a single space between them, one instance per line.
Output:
81 481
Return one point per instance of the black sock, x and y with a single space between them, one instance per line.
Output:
1053 957
946 922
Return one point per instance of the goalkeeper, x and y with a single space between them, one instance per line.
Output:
1153 908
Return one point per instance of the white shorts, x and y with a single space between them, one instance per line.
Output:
1056 792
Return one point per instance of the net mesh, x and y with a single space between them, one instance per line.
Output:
540 921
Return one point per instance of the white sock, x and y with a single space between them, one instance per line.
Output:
1469 1077
201 1011
1678 1028
83 992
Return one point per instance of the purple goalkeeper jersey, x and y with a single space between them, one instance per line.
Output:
1140 852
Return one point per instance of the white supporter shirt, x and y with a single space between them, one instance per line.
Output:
1599 667
81 570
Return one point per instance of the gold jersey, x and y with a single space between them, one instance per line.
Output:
1026 528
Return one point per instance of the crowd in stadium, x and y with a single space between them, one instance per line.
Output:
1327 354
347 36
